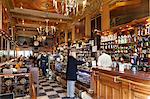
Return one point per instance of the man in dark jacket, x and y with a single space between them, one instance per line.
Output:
44 62
71 74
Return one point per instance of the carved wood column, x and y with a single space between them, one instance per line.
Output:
1 14
73 33
66 36
88 26
8 49
149 8
105 17
1 47
1 40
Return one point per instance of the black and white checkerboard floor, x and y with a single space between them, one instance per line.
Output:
50 89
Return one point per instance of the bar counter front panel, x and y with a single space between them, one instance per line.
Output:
111 84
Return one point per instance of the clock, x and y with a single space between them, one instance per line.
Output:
36 43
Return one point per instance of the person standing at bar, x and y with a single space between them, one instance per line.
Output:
71 73
44 63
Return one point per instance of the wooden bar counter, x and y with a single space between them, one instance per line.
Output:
110 84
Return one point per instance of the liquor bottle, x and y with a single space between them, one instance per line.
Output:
139 31
132 60
142 31
129 39
146 41
146 30
149 29
122 39
125 38
119 39
134 36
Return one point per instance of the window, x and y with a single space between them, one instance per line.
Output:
95 24
24 53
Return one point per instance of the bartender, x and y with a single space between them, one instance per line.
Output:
104 60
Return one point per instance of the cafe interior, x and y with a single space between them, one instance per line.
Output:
111 37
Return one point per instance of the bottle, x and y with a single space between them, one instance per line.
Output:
118 39
122 39
146 41
146 30
142 31
125 39
129 39
139 31
134 37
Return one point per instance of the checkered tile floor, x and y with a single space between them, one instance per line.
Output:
49 89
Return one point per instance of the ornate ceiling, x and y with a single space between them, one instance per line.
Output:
28 15
41 5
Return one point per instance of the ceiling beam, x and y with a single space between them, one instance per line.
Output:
29 34
27 25
36 18
26 33
41 14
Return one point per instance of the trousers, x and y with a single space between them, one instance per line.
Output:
44 69
70 88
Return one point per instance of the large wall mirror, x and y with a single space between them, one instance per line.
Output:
80 29
125 11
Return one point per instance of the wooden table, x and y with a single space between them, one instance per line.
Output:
31 84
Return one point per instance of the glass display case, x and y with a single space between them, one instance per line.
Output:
84 77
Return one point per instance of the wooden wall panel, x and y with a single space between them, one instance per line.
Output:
108 86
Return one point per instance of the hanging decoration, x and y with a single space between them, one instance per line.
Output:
43 32
70 6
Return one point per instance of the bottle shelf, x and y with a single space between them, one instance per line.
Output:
129 42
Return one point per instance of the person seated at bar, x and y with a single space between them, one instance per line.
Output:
104 60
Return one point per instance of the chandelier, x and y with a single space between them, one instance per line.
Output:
43 32
68 6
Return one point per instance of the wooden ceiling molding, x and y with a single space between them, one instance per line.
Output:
40 5
38 19
34 13
27 25
40 14
26 33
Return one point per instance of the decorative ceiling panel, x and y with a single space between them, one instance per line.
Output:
41 5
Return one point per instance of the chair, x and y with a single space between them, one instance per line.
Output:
7 71
22 70
7 96
35 74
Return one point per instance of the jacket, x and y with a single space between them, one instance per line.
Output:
71 73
